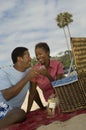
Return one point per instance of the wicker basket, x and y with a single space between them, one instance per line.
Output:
79 51
72 96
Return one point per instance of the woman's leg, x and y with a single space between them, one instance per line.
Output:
12 117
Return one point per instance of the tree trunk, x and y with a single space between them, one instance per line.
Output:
67 42
69 31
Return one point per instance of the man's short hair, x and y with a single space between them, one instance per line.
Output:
18 52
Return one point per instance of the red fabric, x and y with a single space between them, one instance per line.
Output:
55 68
39 117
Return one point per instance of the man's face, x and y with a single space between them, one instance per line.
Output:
26 60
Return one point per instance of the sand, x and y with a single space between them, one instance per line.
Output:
75 123
34 106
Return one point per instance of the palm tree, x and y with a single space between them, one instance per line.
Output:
63 20
68 19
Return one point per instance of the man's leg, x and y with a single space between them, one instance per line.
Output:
12 117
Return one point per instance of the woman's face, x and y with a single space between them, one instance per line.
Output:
42 56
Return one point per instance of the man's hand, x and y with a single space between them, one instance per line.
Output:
33 73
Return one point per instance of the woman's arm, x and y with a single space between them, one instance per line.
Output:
44 71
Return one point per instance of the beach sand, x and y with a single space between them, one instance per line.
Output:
75 123
34 106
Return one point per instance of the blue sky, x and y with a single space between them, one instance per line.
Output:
27 22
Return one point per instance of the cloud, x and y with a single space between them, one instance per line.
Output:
25 22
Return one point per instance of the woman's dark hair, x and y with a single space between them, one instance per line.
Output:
43 45
18 51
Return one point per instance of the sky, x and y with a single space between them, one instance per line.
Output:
27 22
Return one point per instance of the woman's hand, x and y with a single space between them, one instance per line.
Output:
43 71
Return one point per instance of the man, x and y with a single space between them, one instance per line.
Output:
14 84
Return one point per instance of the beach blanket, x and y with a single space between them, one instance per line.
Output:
39 117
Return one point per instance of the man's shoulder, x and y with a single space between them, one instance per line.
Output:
6 70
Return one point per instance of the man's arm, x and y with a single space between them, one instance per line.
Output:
12 91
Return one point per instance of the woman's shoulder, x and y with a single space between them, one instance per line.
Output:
55 61
37 65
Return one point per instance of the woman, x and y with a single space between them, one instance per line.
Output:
48 69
